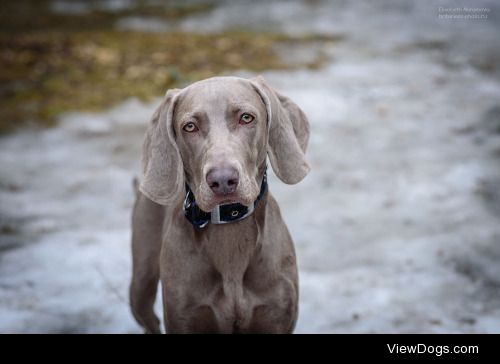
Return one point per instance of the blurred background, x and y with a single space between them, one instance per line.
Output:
397 227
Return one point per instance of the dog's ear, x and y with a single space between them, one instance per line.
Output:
288 134
161 161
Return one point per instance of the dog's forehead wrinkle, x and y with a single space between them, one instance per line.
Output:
218 89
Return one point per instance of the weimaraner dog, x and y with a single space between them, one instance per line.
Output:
204 222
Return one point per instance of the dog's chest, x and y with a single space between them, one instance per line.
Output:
230 248
224 279
231 251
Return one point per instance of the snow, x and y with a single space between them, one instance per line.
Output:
397 227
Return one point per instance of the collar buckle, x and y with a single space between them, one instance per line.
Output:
215 215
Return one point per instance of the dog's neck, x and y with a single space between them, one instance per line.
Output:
231 247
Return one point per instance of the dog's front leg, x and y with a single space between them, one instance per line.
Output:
147 226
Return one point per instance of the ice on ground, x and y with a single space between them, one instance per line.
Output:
397 227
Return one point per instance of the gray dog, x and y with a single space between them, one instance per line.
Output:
203 220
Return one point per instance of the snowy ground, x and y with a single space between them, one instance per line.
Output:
397 227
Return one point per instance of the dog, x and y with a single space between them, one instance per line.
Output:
204 222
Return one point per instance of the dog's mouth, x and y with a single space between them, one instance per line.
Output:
224 200
227 201
213 201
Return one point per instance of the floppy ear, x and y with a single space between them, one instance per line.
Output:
161 161
288 134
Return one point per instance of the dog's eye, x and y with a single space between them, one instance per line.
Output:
246 118
190 127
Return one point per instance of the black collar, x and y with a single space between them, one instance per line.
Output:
221 214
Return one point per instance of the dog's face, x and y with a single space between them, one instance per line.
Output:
221 132
215 135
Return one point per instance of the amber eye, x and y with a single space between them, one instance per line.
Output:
190 127
246 118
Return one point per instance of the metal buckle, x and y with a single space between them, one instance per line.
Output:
215 215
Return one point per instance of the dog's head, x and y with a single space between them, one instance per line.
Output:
215 136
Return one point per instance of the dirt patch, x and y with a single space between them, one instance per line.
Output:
53 63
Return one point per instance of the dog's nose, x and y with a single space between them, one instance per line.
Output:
223 180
